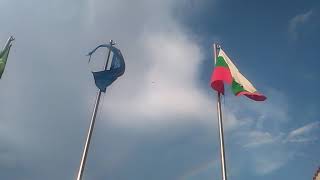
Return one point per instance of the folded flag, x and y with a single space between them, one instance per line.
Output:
226 72
105 78
4 55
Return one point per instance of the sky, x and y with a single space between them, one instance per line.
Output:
159 121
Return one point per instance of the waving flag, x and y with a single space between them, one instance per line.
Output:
104 78
4 55
226 72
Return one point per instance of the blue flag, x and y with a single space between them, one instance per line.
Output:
104 78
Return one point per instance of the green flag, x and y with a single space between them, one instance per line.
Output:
4 55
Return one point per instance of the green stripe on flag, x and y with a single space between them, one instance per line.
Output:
236 87
221 62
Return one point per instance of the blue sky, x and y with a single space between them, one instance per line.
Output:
158 121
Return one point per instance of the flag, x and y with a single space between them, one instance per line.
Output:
105 78
4 55
226 72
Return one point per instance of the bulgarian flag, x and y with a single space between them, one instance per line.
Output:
226 72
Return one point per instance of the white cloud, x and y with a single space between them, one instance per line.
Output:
204 167
262 133
303 134
53 90
297 21
161 83
169 86
269 163
257 138
269 152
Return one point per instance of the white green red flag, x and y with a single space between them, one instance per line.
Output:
226 72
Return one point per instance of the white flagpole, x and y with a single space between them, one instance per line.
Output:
222 152
93 119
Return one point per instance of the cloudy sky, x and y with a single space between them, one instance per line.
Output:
158 121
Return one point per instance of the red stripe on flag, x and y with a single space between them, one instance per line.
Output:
253 96
220 74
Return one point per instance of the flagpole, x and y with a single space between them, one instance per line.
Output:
92 123
221 137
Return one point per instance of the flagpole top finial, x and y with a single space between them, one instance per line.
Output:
216 45
112 42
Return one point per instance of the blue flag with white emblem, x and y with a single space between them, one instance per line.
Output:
105 78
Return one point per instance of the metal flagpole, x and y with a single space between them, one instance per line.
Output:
93 119
222 152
